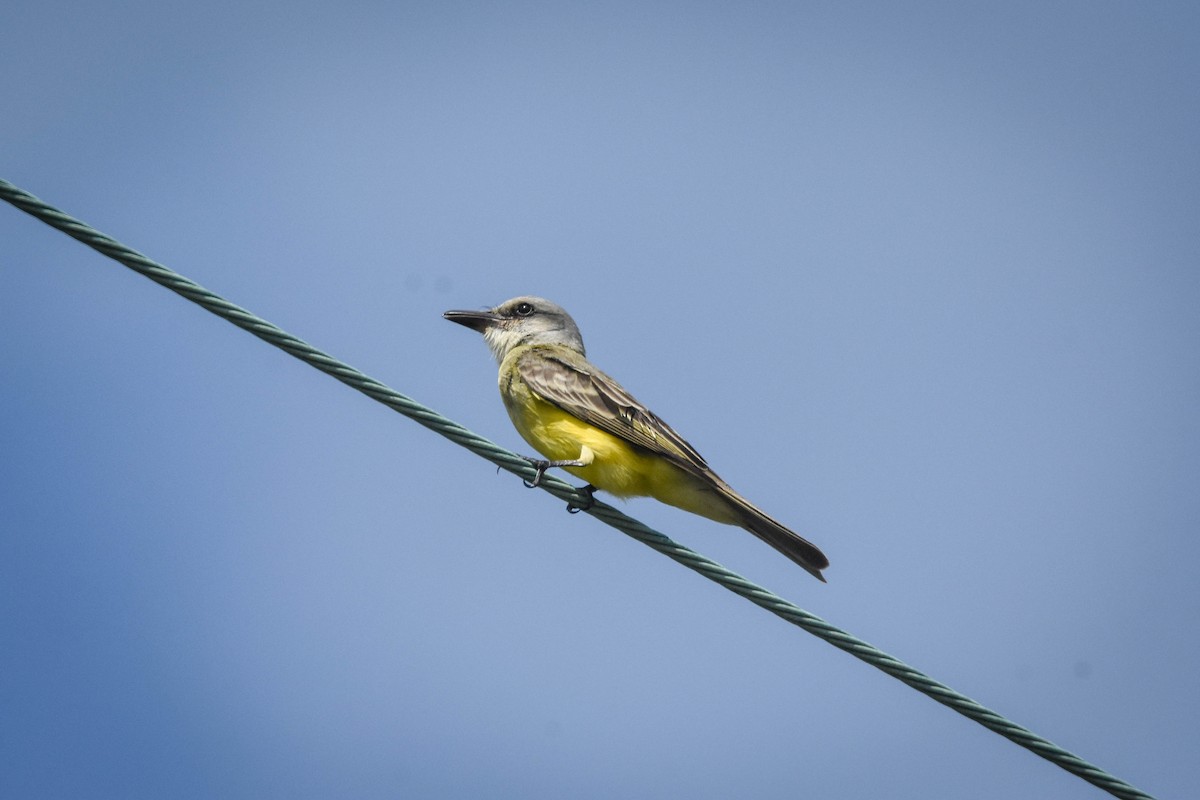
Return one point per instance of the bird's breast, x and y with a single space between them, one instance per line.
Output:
617 466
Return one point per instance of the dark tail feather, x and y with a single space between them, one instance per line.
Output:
791 544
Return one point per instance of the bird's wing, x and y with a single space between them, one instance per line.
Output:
569 381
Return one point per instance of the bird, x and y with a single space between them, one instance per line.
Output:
585 422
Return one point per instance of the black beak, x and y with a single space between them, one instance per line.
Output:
475 320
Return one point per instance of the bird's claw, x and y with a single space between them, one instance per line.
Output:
587 490
540 467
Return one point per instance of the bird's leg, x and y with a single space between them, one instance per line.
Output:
541 465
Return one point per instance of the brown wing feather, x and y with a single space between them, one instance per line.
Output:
571 382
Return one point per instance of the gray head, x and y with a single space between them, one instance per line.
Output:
522 320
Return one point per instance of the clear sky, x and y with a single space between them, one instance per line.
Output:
921 280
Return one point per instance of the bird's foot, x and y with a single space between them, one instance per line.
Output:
590 492
540 465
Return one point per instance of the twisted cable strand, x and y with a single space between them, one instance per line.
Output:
516 464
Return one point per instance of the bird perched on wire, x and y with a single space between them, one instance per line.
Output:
585 422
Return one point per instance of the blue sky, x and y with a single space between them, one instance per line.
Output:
920 281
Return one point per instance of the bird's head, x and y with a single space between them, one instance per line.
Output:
521 321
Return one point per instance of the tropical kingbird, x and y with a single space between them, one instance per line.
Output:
587 423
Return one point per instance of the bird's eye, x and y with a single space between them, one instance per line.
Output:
524 309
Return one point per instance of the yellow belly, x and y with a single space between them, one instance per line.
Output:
618 467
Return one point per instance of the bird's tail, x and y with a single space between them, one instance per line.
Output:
774 533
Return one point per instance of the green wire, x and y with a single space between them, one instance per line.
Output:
518 465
